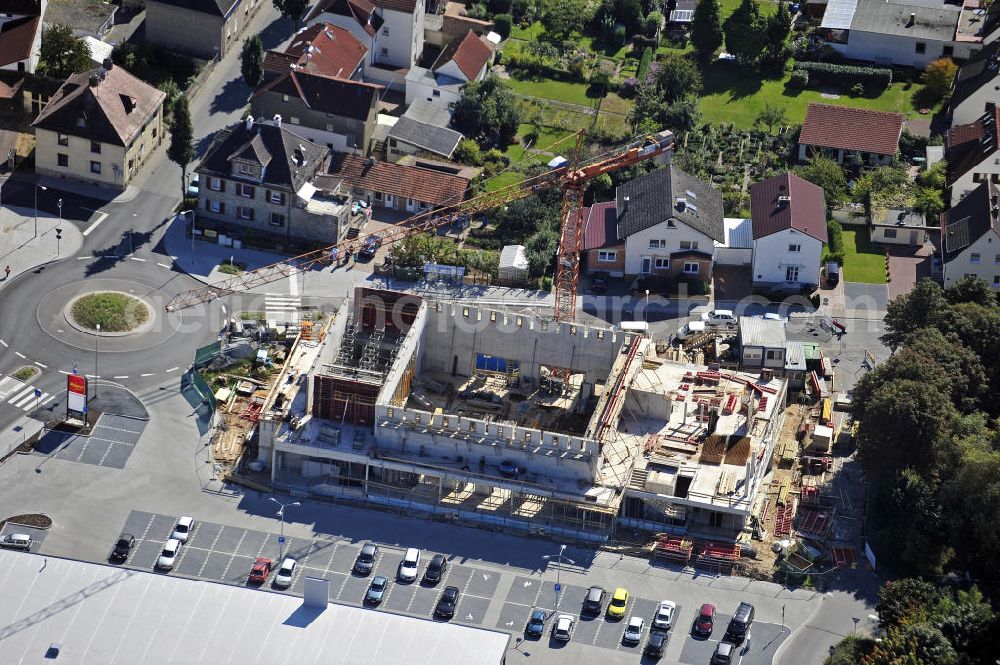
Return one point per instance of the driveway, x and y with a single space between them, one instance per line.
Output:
731 283
860 297
908 265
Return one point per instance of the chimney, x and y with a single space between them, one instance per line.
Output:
913 19
108 64
277 120
249 123
94 80
625 204
681 203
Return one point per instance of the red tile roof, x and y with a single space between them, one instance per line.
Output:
16 39
852 129
804 211
600 225
325 49
967 146
470 54
409 182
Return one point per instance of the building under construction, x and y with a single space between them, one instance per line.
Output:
511 420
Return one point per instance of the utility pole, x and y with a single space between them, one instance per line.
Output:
96 340
559 558
44 189
281 516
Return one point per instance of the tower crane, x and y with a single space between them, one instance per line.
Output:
572 177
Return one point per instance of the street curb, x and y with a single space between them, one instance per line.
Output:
776 659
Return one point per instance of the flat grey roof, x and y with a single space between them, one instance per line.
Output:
758 331
102 615
439 140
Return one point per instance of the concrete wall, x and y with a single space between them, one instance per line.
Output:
341 133
198 33
731 256
455 333
987 267
771 258
637 245
424 89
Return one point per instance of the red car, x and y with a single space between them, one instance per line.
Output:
705 621
260 570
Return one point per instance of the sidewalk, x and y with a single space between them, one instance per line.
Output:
109 194
22 251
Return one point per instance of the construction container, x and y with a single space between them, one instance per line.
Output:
513 265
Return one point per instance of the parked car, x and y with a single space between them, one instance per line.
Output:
563 628
593 602
740 624
723 654
366 559
260 570
656 645
436 569
283 579
16 541
193 184
447 603
408 566
704 623
664 616
832 273
771 316
618 604
691 329
168 556
719 318
183 529
633 631
509 469
123 546
599 282
369 247
376 590
536 624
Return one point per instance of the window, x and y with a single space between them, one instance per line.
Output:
996 280
246 191
293 120
423 205
996 260
921 47
215 184
284 98
378 196
948 51
246 169
277 197
63 140
95 147
795 248
385 51
385 30
216 206
244 212
662 264
656 244
751 354
974 257
773 354
792 274
689 244
691 267
277 219
62 160
889 234
715 519
671 224
95 167
436 93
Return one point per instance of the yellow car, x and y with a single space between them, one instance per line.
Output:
618 604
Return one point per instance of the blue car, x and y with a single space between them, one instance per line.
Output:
536 625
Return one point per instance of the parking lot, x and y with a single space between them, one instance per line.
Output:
109 444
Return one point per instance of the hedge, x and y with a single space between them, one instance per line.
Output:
798 79
845 76
835 242
647 57
502 24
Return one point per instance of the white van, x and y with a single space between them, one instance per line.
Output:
690 329
408 566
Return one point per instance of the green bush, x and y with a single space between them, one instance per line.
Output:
502 24
798 79
467 152
843 76
500 7
835 242
619 36
647 57
546 283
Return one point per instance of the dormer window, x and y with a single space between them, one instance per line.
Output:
81 121
246 169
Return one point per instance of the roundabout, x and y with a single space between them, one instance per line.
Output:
110 313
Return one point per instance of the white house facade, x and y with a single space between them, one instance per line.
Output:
789 257
649 251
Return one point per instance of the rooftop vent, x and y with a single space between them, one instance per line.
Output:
625 204
94 80
682 203
784 200
108 64
249 122
913 19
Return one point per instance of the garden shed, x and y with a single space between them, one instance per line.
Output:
513 265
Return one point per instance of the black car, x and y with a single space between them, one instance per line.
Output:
369 248
593 603
599 282
446 606
656 645
536 624
123 546
436 569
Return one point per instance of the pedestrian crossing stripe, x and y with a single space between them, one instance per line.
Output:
21 395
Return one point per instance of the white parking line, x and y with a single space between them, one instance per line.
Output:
144 375
136 258
211 548
103 216
84 258
163 265
122 377
232 557
20 355
5 344
40 364
173 369
62 371
141 538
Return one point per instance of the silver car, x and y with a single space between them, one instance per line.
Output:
16 541
283 579
168 556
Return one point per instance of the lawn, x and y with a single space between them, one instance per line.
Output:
527 34
503 180
863 261
561 91
737 95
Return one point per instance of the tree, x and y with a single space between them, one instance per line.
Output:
488 112
923 306
561 18
930 202
971 289
828 174
678 77
778 27
903 601
745 32
181 150
502 24
770 115
706 28
293 9
628 13
63 53
681 116
938 77
252 61
467 152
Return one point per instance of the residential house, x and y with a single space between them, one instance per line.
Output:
423 130
202 28
680 16
976 83
321 48
87 18
789 230
665 223
261 180
894 226
99 127
402 188
970 237
21 34
462 61
850 135
392 30
899 32
972 153
762 343
453 23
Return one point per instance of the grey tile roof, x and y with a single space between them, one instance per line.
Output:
213 7
427 113
937 23
980 69
654 198
438 140
969 220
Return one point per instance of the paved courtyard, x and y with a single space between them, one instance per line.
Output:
110 443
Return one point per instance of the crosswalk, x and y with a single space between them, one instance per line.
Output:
21 395
282 308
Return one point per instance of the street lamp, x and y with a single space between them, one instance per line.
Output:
96 339
44 189
645 317
560 558
281 516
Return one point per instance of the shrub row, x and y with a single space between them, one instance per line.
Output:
844 76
